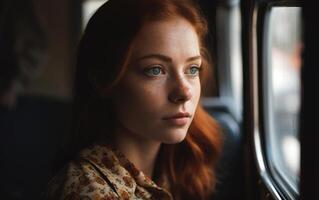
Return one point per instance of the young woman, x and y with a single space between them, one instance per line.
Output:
141 132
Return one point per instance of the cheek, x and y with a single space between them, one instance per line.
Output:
144 97
138 103
196 93
198 89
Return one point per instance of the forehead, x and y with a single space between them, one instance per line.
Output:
173 36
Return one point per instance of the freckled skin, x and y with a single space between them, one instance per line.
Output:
142 101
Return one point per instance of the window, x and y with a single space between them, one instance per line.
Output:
88 9
229 57
282 94
236 63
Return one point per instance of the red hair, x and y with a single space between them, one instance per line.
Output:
102 60
190 164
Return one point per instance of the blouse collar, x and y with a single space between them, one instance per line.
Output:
121 173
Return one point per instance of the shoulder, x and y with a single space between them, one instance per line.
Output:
80 179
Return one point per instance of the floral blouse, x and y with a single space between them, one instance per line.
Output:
102 173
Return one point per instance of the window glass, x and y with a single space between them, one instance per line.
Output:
283 103
236 62
88 9
228 57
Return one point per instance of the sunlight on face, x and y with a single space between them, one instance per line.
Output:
159 93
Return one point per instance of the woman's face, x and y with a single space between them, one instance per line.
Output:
157 97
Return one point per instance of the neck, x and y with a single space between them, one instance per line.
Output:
141 152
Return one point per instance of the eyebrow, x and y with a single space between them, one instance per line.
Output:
166 58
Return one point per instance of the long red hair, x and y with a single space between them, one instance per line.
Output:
102 61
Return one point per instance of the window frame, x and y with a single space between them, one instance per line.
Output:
277 185
224 37
309 127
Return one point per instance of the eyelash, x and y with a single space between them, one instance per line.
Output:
148 70
198 68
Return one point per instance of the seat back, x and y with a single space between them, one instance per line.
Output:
230 170
31 135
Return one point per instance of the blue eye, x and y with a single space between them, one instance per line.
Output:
154 71
193 70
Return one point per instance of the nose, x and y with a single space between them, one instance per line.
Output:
180 93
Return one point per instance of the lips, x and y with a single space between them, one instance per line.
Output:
178 119
178 115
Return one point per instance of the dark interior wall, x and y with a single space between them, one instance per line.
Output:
54 77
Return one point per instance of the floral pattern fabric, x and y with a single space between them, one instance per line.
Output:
103 173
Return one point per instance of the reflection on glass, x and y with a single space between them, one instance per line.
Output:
88 9
284 91
236 61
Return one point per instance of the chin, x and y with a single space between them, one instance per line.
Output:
174 137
